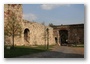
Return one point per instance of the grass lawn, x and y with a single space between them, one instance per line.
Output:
79 45
23 50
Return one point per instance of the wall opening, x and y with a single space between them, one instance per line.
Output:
63 37
56 39
26 35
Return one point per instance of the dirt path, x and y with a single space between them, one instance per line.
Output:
59 52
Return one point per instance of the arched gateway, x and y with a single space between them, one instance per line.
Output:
27 35
63 37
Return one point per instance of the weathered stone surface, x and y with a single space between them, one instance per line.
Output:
37 34
75 33
32 33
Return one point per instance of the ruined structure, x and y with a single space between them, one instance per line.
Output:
73 34
32 33
37 34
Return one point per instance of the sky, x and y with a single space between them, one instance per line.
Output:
56 14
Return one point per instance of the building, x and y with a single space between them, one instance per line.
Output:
66 34
32 33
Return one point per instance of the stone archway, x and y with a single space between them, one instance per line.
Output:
26 35
63 37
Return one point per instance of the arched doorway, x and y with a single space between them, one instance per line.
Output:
63 37
56 40
26 35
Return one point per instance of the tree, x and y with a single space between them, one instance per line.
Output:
50 24
47 38
12 27
43 23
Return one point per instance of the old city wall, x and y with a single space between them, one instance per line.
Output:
8 10
37 34
75 33
32 33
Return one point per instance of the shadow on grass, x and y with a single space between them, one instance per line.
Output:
21 50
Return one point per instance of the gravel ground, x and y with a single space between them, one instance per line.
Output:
59 52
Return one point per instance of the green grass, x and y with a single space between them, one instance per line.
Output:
44 47
79 45
23 50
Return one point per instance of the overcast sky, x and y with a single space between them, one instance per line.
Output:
54 13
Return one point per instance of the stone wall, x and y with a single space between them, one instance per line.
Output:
37 33
33 33
9 9
16 8
75 33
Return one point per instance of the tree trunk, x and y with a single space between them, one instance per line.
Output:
47 38
13 37
12 41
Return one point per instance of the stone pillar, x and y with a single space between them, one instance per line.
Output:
58 35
